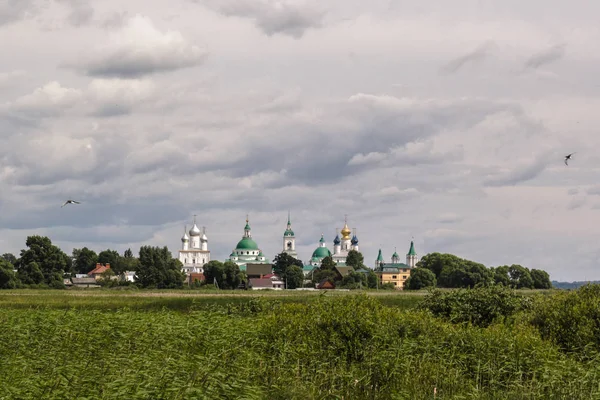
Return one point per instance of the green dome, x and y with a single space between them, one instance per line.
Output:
321 252
247 244
288 232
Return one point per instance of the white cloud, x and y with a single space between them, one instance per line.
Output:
139 48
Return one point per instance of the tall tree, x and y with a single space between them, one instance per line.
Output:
232 275
420 278
500 275
159 269
294 277
325 271
282 263
8 279
541 279
128 253
520 277
84 260
355 259
435 262
9 257
214 271
51 261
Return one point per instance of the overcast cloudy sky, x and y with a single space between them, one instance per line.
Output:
443 120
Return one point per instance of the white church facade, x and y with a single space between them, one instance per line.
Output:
194 253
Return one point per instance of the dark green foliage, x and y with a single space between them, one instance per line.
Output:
435 262
541 279
84 260
232 276
570 319
214 271
328 264
282 265
354 280
501 276
467 274
42 257
8 279
227 275
372 279
294 276
158 269
520 277
481 306
420 278
355 259
9 257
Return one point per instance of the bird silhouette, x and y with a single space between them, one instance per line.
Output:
567 158
70 202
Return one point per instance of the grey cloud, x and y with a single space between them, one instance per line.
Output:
81 12
16 10
576 202
547 56
574 191
522 172
139 49
273 17
594 190
480 53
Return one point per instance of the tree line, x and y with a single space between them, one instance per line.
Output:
450 271
43 264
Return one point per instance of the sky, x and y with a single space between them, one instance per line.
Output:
443 121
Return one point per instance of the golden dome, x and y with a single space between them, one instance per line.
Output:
346 232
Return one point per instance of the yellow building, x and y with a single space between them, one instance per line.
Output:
396 272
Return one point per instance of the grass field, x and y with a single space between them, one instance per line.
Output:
88 344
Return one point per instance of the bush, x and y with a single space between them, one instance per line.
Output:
480 306
570 319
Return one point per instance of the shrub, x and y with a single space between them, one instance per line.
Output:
480 306
570 319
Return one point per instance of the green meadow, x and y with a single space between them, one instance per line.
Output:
471 344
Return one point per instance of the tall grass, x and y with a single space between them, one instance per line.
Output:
342 347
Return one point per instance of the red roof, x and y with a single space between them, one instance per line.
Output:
100 268
268 276
261 283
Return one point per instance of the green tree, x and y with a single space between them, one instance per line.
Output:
214 270
435 262
520 278
354 280
128 254
159 269
8 279
372 279
355 259
30 274
294 277
420 278
10 258
501 276
328 264
232 276
51 261
282 263
467 274
541 279
84 260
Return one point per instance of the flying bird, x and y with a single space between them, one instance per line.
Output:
567 158
70 202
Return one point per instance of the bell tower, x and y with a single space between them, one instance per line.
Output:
289 240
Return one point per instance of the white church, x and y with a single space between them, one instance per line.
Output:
194 253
